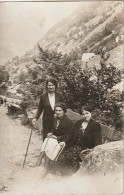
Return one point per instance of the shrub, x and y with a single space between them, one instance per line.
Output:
76 85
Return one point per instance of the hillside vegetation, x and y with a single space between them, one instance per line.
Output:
90 28
93 28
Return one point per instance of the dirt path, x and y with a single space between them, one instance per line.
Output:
13 143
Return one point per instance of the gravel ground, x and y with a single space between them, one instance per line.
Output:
28 181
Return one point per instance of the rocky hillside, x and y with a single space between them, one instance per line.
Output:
93 27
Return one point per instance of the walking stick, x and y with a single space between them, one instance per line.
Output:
27 148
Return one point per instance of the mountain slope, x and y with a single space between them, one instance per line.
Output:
93 27
86 29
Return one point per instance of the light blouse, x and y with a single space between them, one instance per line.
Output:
51 97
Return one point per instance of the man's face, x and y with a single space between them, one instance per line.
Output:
59 112
86 115
51 87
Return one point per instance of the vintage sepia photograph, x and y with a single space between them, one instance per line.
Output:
61 97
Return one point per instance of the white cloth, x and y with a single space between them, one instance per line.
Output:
57 123
52 99
83 126
52 148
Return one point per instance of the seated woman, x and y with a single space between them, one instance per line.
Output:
63 126
87 135
62 130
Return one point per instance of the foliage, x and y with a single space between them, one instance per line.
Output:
89 31
21 76
1 77
4 76
88 86
87 27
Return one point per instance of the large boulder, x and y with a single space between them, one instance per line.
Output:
103 158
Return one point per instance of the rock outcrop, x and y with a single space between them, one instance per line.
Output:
104 158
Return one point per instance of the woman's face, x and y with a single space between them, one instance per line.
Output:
51 87
59 112
86 115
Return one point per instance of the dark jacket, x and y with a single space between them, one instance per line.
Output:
64 131
48 112
92 136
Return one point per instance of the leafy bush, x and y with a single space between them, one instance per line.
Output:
4 76
21 76
77 86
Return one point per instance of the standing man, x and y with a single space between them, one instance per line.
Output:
47 105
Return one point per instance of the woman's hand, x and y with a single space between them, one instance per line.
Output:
53 136
49 134
62 144
34 121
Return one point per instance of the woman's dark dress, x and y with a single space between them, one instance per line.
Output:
48 112
69 159
63 133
